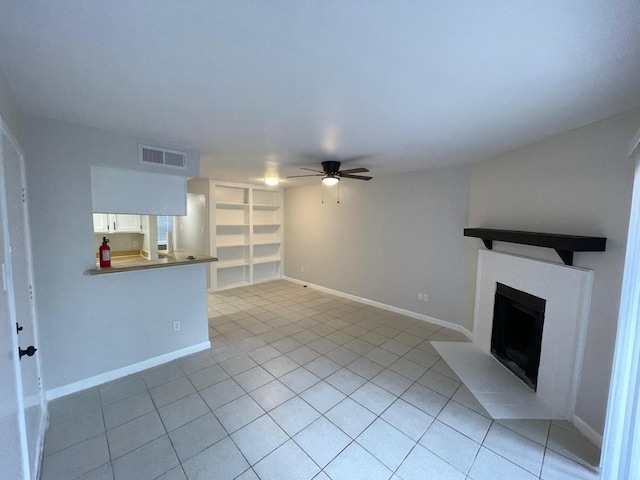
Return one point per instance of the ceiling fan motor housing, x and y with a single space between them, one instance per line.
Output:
331 166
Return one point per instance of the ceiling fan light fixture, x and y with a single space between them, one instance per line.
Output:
271 181
330 180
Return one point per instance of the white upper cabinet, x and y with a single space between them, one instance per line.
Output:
127 223
116 223
101 223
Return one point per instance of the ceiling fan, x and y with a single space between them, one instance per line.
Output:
331 173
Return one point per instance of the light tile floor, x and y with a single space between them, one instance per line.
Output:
300 384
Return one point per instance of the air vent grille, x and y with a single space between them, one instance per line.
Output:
152 156
174 159
162 157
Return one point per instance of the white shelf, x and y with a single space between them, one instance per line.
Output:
258 260
232 264
231 205
265 206
238 206
231 195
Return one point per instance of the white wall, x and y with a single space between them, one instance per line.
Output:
120 241
192 229
146 237
9 111
386 240
204 186
575 183
128 191
91 325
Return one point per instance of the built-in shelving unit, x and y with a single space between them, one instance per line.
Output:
248 234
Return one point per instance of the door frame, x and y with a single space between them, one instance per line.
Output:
18 465
31 469
621 443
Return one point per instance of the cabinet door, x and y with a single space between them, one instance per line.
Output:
127 223
101 223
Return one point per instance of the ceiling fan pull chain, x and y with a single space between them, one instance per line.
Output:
338 193
322 190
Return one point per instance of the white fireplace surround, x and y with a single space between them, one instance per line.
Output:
567 291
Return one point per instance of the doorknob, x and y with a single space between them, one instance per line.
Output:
29 352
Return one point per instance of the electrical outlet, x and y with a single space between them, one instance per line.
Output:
425 297
301 269
420 296
176 326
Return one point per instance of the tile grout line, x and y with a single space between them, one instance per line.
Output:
106 437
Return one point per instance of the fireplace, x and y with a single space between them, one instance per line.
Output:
567 294
516 336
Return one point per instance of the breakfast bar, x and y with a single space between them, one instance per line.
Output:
137 262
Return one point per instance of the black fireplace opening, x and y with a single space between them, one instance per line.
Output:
516 338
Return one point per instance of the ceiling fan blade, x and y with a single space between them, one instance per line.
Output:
354 170
311 169
299 176
357 177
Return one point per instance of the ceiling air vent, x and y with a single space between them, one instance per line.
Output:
162 157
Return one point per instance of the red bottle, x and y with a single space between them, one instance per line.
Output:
105 253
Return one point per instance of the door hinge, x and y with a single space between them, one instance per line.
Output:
31 292
24 195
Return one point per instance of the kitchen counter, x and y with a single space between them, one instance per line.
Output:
128 263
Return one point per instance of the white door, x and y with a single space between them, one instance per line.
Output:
14 459
22 297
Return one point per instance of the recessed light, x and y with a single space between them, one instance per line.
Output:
272 181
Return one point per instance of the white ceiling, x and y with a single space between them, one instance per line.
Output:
267 84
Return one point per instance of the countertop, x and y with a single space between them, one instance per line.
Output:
130 263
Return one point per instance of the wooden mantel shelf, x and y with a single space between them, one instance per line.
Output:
564 245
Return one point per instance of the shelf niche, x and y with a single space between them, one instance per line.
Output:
564 245
248 234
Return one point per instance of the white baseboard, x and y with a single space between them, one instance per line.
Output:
587 431
383 306
270 279
245 284
124 371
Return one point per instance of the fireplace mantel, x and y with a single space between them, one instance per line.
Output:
564 245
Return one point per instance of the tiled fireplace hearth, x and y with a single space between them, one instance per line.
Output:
566 292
